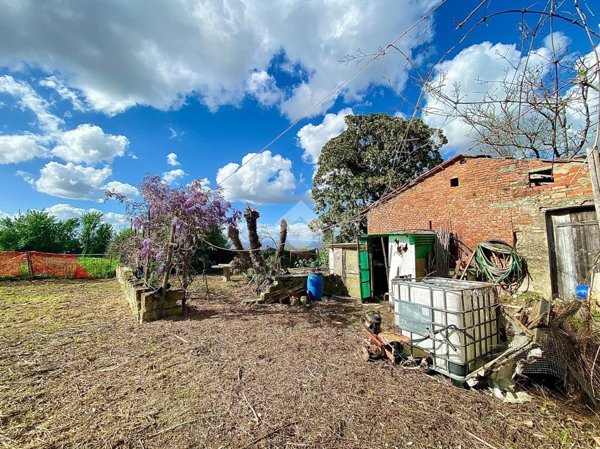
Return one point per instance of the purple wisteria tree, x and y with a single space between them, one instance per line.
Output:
169 224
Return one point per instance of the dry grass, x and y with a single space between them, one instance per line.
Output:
75 371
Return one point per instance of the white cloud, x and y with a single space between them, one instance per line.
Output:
4 214
172 160
263 87
173 175
118 59
25 176
79 182
65 211
202 183
119 221
120 187
174 133
299 233
89 144
86 143
311 138
261 179
478 71
29 99
558 40
52 82
20 148
484 61
72 181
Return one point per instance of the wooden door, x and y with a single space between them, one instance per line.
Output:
364 267
574 245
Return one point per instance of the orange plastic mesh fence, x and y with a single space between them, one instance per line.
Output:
59 265
13 264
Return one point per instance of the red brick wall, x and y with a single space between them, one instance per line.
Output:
492 201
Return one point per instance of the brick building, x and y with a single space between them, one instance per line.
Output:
543 207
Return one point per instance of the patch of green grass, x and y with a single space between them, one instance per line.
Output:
529 296
98 267
24 269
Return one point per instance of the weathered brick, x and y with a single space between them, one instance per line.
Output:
493 200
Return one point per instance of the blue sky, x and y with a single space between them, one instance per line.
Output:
96 95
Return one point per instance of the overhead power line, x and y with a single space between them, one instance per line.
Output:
377 56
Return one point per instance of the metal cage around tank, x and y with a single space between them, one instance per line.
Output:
468 308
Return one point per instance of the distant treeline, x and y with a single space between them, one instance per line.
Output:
40 231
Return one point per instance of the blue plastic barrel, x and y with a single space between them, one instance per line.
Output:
582 291
314 286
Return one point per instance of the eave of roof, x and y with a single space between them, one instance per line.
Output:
451 161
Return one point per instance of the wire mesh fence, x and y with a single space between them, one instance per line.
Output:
14 265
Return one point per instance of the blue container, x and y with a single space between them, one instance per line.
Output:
314 286
582 291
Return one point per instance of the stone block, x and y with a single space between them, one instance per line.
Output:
174 295
151 315
173 311
143 302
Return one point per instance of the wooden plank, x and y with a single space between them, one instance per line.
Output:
467 266
385 262
594 166
564 251
576 245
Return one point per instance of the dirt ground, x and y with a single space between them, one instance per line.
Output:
76 371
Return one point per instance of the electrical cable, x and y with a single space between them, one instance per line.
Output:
377 56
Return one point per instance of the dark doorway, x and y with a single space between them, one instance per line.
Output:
379 266
574 244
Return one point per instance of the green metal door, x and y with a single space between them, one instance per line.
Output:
364 268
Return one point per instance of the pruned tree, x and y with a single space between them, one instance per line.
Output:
374 156
241 262
544 104
254 257
283 232
258 262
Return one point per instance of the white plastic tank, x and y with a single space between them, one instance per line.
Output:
423 307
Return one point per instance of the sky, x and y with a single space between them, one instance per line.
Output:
96 95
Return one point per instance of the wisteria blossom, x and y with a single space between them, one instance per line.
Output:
169 223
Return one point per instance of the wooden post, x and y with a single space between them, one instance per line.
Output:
594 165
385 261
29 264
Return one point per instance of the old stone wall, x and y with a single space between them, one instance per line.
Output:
144 302
489 198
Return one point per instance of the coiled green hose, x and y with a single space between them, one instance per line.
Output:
501 264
